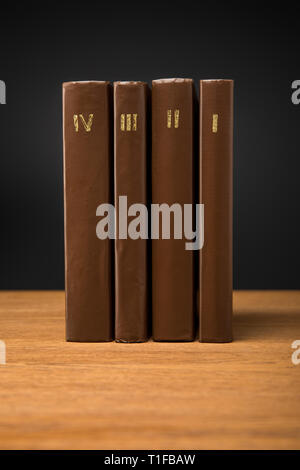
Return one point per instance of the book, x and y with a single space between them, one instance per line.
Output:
173 293
130 173
87 113
216 160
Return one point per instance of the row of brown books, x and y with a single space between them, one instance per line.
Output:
127 147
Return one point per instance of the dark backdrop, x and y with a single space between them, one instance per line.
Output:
43 46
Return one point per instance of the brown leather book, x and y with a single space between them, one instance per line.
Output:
87 129
131 289
216 131
172 182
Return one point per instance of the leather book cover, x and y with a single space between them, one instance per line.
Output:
216 161
87 114
173 296
130 172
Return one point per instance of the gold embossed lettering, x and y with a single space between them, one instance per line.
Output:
215 123
134 125
122 122
87 125
169 118
75 118
128 122
176 118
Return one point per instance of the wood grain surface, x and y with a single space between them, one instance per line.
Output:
58 395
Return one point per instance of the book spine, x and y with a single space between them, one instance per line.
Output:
172 183
216 160
87 174
130 161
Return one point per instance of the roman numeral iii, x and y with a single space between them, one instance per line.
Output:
128 122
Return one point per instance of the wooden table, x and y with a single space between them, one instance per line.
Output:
58 395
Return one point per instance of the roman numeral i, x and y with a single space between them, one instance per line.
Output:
215 119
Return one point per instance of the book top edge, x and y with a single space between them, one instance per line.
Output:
130 83
209 80
172 80
86 82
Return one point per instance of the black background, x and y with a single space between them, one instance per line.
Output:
42 46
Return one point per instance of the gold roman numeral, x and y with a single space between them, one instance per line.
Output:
169 118
215 123
176 118
75 118
128 122
134 124
122 122
87 125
